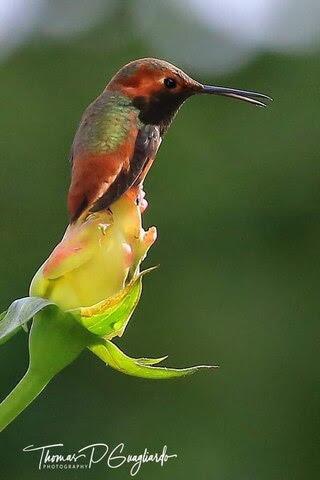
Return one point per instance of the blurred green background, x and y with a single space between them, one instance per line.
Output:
235 196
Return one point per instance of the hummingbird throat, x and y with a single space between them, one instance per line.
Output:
160 108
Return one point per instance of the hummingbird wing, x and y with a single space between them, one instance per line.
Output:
99 180
146 145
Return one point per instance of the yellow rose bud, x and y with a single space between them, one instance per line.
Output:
96 258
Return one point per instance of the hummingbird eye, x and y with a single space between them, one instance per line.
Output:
170 82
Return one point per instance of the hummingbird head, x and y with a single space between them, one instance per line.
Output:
158 89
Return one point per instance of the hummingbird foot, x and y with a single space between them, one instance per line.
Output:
141 201
137 194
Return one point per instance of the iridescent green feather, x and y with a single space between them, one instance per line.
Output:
106 123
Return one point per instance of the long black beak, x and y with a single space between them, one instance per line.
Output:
244 95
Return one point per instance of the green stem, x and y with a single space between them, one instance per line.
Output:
21 396
56 339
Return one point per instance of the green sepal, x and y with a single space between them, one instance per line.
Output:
18 314
110 317
150 361
109 353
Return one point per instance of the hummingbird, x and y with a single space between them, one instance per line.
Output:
120 132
